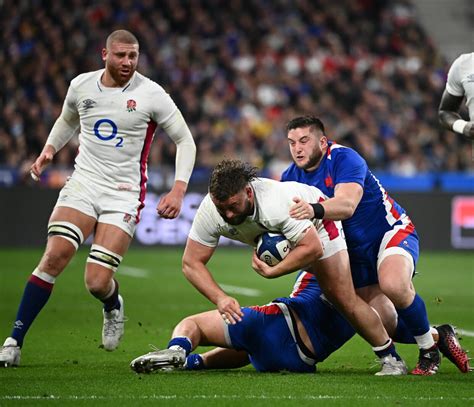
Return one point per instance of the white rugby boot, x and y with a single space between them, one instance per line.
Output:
392 367
10 353
166 359
113 328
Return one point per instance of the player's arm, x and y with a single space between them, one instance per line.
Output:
342 206
308 250
449 117
222 358
169 205
195 259
65 127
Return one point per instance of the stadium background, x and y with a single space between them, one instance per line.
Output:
238 70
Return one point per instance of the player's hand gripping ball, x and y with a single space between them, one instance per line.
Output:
272 248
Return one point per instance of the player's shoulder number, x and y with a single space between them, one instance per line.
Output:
106 129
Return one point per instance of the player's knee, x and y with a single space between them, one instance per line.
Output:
97 285
394 288
101 264
54 261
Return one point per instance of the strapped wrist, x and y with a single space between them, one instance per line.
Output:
318 210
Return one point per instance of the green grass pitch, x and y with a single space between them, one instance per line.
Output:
63 364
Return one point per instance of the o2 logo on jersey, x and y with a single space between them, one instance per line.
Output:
105 130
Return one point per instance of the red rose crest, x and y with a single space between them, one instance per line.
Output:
131 105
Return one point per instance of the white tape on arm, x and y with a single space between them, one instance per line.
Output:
458 126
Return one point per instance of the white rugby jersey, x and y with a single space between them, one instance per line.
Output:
273 200
461 80
117 127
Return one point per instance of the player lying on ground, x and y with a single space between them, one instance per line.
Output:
292 333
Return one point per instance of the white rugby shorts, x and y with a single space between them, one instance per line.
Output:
107 205
332 237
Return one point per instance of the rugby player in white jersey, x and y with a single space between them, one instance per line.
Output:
115 111
460 85
241 206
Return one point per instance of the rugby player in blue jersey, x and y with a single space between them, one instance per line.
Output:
381 239
291 333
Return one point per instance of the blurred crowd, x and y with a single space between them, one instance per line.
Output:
239 70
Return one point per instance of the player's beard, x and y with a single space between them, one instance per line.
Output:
239 219
313 160
119 78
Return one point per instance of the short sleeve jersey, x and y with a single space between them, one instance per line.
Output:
117 127
461 80
376 213
272 203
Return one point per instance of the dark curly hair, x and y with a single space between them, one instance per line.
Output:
305 121
229 177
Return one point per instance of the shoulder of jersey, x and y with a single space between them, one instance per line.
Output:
83 78
148 85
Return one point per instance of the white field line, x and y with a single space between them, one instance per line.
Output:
134 272
465 332
233 289
236 397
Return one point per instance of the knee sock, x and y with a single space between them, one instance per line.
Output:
194 362
386 349
402 333
111 301
181 343
35 296
416 320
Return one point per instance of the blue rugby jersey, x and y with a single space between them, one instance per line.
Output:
376 213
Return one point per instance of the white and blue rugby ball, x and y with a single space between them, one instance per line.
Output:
272 248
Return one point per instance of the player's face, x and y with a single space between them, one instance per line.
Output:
121 61
307 147
237 208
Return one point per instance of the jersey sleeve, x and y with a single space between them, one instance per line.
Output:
348 166
277 208
453 84
69 111
164 106
204 228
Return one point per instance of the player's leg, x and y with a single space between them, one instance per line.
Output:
205 329
334 276
396 265
109 246
66 231
218 358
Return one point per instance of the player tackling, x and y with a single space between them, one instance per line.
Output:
241 206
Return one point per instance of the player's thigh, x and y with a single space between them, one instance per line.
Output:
334 276
395 274
211 327
67 229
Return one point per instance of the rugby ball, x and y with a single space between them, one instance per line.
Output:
272 248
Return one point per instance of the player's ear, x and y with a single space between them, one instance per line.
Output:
104 54
249 191
323 141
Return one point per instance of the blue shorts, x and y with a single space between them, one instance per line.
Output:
401 239
266 333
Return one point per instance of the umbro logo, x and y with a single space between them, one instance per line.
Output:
18 324
470 77
88 104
